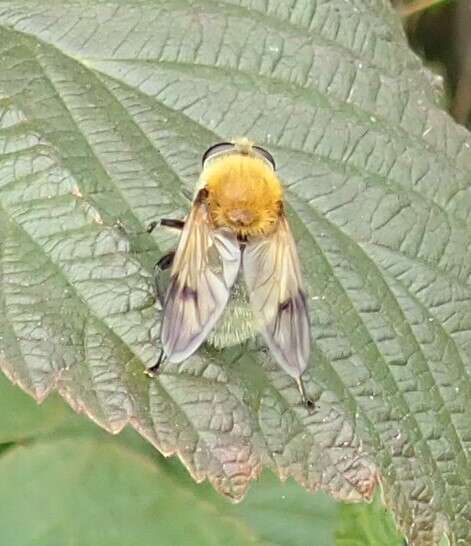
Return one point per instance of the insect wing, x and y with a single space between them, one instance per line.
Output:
273 277
205 267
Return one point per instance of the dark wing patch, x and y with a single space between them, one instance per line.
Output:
204 269
273 277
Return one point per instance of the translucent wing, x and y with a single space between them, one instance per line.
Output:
205 267
275 287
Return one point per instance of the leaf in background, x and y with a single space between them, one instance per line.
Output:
273 513
91 491
22 420
105 110
83 492
366 525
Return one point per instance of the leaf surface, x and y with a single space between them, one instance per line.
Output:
105 110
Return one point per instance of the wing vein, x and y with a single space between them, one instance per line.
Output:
206 264
274 281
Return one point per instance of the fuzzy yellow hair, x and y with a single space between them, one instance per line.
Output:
244 194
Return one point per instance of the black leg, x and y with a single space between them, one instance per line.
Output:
167 222
153 370
163 264
165 261
307 402
151 227
172 223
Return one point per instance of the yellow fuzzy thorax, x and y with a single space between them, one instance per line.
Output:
244 194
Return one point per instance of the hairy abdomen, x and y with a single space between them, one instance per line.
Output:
237 322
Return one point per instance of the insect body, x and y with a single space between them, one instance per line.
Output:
235 270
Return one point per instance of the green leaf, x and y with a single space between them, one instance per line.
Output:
105 110
93 491
281 514
22 420
366 525
273 513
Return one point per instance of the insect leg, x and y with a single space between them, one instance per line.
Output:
307 402
167 222
152 226
155 368
162 265
172 223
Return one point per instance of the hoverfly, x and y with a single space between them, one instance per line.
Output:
235 271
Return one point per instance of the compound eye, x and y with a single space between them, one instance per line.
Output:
266 156
216 150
